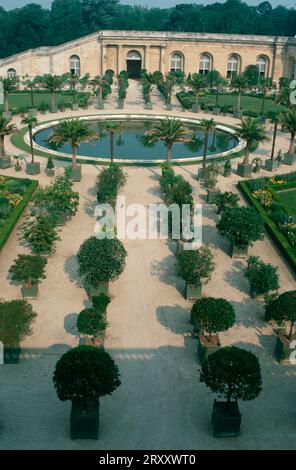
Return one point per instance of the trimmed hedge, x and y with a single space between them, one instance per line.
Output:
17 212
277 236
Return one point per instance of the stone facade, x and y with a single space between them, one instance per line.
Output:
190 52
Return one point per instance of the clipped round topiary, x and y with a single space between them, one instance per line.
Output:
196 266
282 309
262 277
101 260
84 374
90 322
212 315
232 373
241 225
16 317
100 302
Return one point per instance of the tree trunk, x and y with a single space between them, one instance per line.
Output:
196 99
229 395
204 160
112 146
247 156
263 103
217 97
32 98
291 330
169 153
74 157
31 143
273 140
239 101
291 148
2 148
6 107
101 94
53 101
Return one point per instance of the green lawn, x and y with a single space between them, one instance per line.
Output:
23 100
289 199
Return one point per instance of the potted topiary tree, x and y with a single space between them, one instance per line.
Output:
100 261
49 170
225 201
210 178
251 131
16 317
282 310
195 267
288 121
227 168
242 226
32 168
209 316
29 270
91 324
234 374
257 162
41 234
83 375
6 128
263 278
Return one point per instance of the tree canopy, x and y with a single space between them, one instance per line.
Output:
33 26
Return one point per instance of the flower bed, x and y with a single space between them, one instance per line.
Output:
278 215
15 193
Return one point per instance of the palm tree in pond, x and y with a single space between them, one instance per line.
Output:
197 83
208 125
6 128
288 121
52 83
72 131
170 131
251 131
239 83
30 121
111 128
8 86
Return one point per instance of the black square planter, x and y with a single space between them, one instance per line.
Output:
226 422
5 162
195 108
76 174
12 355
205 350
289 158
169 107
33 168
148 105
85 423
244 170
30 292
193 291
238 251
211 194
271 165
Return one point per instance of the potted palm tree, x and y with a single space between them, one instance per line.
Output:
170 131
99 83
265 85
234 374
208 126
6 128
73 131
31 85
210 316
240 84
282 310
215 80
251 131
242 226
196 268
32 168
52 83
100 261
9 85
273 163
16 317
288 121
197 83
83 375
29 270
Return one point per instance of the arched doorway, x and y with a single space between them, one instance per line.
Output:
134 64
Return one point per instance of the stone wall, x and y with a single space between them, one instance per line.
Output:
109 49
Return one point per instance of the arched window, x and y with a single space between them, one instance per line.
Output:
205 64
262 64
176 62
75 65
11 73
233 65
134 55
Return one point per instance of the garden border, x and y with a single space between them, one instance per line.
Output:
18 210
279 239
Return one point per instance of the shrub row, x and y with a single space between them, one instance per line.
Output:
17 212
